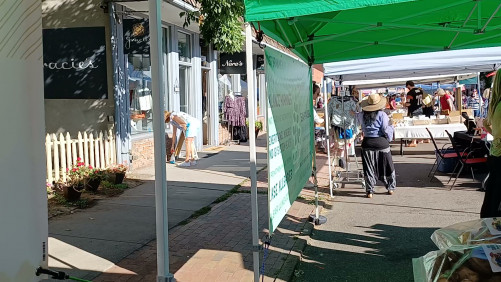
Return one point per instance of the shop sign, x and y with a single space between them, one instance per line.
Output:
74 61
136 36
290 132
232 63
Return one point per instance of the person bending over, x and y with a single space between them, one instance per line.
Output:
190 125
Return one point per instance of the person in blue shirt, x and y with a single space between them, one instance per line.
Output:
376 154
474 103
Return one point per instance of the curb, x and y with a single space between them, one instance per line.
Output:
295 254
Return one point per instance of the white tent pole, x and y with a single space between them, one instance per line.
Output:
162 223
327 123
480 96
252 150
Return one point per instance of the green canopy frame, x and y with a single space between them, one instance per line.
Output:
323 31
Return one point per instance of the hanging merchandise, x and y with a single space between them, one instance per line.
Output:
235 113
145 103
342 112
235 110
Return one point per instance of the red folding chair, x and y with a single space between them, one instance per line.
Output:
469 161
441 155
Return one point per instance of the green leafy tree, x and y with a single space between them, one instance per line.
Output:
220 23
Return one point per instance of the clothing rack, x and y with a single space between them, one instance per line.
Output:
232 131
348 176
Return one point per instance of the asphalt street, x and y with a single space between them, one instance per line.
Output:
376 239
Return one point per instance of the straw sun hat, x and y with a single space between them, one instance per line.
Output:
373 103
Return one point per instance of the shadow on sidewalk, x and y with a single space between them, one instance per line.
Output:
384 254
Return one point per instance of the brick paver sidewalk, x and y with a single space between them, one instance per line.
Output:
218 245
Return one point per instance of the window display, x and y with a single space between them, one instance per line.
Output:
139 77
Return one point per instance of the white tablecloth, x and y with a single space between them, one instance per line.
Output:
419 131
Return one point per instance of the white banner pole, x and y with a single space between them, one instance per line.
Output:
480 98
252 149
162 223
327 123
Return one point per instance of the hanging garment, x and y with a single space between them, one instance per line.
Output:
235 110
343 116
240 133
145 103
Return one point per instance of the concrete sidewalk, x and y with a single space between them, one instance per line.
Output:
91 241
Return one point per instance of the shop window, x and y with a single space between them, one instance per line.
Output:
165 50
139 77
204 52
184 47
184 87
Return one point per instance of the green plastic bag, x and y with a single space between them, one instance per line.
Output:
473 263
475 232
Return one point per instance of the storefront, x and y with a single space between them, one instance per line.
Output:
118 96
114 95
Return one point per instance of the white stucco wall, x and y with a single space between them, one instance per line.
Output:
72 115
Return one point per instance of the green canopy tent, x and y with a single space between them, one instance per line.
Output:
320 31
328 31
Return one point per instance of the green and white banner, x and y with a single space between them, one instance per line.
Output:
290 132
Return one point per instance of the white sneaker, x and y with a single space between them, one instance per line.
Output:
193 163
184 164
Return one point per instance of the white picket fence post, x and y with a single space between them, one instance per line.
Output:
62 152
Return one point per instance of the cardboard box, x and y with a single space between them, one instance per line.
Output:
421 121
455 119
469 112
397 116
321 114
439 121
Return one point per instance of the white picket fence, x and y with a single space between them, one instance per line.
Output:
61 151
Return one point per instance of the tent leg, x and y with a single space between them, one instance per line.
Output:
252 150
162 222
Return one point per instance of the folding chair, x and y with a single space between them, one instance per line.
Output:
441 156
469 160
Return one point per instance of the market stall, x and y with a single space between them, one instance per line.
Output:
411 132
321 31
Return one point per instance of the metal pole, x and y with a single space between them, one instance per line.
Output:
480 98
252 149
327 125
162 223
316 218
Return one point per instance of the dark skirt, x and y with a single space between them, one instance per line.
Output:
378 164
492 198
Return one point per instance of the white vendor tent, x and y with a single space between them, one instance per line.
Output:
417 65
391 82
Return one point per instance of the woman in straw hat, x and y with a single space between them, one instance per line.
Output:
492 199
190 126
376 155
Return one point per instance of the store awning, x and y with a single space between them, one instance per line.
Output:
429 64
321 31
